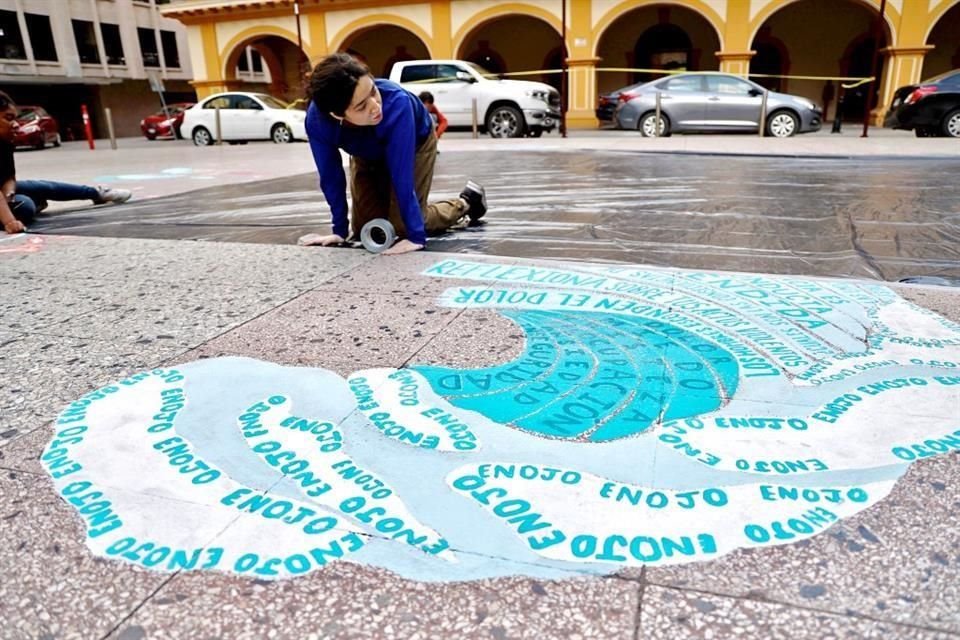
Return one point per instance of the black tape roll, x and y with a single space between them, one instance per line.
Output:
373 231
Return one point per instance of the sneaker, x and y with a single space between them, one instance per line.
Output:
112 195
476 199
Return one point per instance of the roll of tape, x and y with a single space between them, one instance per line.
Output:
378 235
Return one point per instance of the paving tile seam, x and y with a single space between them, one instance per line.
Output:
794 605
641 591
139 606
37 474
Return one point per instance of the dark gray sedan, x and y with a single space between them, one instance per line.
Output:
715 102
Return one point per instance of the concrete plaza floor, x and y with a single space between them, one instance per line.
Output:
83 312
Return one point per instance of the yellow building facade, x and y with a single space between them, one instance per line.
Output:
803 47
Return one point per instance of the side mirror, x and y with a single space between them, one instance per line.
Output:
755 92
463 76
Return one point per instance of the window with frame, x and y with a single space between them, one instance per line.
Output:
41 37
148 47
11 40
418 73
86 40
728 86
220 102
683 83
448 73
171 55
112 44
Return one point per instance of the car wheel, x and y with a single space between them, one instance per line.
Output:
505 122
782 124
150 136
923 132
951 124
646 125
281 134
202 137
536 133
57 141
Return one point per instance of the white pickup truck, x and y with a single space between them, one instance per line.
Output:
506 108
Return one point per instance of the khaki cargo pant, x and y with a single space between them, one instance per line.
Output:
373 196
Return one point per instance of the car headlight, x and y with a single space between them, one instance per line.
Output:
539 94
30 128
169 123
807 103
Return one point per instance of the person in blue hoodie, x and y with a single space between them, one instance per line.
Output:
390 138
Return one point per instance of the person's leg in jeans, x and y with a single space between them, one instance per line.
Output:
369 191
41 191
437 216
23 208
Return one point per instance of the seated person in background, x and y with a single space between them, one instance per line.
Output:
389 136
438 118
23 199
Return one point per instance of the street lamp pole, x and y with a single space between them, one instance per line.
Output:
563 68
300 71
875 85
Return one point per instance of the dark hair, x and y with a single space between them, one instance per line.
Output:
334 80
426 97
5 101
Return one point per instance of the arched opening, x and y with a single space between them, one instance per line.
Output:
771 59
664 37
844 48
945 55
495 45
382 45
268 64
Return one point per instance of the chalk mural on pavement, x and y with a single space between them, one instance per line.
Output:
653 417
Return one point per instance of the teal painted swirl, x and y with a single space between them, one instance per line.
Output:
594 376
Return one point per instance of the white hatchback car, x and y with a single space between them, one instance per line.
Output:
243 116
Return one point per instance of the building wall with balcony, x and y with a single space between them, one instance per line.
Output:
608 43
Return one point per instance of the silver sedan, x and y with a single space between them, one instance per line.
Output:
715 102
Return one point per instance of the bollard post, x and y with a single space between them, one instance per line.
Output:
87 129
113 135
763 113
216 119
473 118
838 114
656 119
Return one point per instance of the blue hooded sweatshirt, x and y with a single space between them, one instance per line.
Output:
394 140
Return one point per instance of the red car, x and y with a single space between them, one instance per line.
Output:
165 125
37 128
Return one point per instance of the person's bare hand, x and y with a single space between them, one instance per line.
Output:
14 226
404 246
312 239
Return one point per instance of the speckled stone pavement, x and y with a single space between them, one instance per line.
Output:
82 312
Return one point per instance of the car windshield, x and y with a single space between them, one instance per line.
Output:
173 111
27 115
484 72
270 101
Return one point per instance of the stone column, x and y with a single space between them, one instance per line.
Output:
582 93
735 62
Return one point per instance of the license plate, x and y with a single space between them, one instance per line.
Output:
151 130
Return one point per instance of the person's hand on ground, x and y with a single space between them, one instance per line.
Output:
313 239
404 246
14 226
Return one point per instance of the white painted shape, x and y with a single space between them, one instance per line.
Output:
862 437
578 509
154 500
386 385
906 319
307 447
